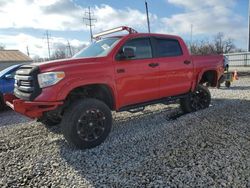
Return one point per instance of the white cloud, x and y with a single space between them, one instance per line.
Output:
207 18
108 17
37 46
38 14
198 4
65 15
59 15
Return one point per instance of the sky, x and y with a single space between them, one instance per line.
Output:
24 22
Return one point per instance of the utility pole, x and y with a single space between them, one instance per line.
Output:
27 48
89 22
191 38
249 26
48 41
70 50
146 5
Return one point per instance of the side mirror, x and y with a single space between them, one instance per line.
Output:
126 53
8 76
129 52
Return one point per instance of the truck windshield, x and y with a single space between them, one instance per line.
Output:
98 48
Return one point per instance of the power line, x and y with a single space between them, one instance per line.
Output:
70 49
249 26
191 37
48 37
89 21
146 5
28 52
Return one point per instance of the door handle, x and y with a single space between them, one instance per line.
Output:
120 70
153 65
187 62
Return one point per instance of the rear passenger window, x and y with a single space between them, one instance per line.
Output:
168 47
141 46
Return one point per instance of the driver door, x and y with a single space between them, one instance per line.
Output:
137 77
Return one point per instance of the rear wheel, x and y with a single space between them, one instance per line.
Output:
197 100
218 85
86 123
228 84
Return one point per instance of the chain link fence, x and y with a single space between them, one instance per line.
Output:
239 59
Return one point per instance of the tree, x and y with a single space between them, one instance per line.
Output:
62 51
222 44
2 46
202 47
219 45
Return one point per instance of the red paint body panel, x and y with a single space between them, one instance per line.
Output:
176 77
206 63
130 81
139 82
30 109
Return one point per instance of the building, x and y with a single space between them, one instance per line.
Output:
12 57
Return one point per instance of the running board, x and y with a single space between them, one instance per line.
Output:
167 100
135 110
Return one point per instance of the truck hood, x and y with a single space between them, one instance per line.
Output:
64 62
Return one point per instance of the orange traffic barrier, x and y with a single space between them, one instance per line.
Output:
235 76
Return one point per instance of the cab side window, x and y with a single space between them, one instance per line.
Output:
141 46
168 47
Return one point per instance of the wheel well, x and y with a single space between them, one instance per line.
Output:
226 67
97 91
209 77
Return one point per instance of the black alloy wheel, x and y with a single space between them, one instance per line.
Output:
86 123
91 125
197 100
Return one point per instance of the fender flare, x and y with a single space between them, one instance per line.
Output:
199 76
68 87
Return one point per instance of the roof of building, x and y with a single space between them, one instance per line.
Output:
13 56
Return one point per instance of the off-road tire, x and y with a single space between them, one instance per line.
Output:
197 100
49 121
86 123
228 84
218 85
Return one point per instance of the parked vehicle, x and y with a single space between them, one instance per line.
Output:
117 73
7 82
228 77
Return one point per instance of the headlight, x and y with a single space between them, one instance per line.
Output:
49 78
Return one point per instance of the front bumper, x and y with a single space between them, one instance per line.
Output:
30 109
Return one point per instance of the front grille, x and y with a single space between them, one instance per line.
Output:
26 84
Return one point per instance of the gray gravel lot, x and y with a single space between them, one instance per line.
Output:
209 148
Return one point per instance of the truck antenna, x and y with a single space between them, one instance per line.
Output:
146 5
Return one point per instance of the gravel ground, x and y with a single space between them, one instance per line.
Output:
209 148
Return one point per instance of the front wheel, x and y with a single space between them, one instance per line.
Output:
197 100
86 123
49 121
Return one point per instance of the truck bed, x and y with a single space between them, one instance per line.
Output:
208 61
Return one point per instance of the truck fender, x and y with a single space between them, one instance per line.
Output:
70 86
199 77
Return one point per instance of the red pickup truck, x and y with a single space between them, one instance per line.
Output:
116 73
